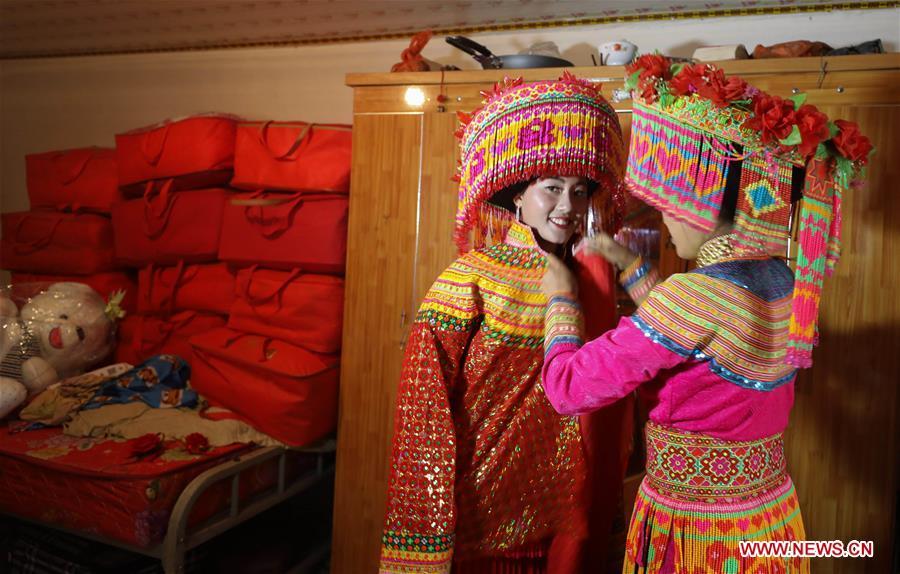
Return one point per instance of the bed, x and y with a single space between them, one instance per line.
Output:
160 506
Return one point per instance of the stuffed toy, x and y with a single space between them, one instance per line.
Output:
59 332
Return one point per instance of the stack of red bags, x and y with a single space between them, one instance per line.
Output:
174 175
275 366
67 235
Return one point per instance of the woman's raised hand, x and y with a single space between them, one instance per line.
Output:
604 245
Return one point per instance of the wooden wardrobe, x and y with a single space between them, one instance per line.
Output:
843 437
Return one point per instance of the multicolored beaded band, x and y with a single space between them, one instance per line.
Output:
638 279
696 467
563 322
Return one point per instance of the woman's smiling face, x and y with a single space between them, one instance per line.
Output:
554 206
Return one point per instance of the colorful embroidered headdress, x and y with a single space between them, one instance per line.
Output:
523 131
696 132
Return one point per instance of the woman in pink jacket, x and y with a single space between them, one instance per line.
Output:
721 344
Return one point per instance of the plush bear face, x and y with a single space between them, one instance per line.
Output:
71 326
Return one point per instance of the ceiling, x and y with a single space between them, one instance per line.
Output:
38 28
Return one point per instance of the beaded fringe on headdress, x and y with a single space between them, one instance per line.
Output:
524 131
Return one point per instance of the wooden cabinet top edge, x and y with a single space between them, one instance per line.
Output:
746 67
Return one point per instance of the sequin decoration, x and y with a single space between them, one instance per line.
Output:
481 463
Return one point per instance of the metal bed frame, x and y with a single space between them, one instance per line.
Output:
179 539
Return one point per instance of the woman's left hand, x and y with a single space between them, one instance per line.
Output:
558 278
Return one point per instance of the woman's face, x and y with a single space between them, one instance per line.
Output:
554 207
686 239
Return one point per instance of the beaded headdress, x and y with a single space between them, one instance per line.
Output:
696 132
523 131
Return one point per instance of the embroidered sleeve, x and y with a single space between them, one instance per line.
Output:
638 279
420 521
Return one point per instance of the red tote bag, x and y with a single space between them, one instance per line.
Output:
292 156
185 287
197 152
56 243
303 309
282 390
167 227
103 283
306 231
141 336
73 180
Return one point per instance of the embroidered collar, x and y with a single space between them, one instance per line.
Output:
521 235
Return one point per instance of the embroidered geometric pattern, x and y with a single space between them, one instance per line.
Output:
816 253
744 493
676 168
733 314
415 553
763 209
691 466
508 279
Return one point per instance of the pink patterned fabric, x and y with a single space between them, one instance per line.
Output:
692 399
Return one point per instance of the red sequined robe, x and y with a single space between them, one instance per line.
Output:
485 475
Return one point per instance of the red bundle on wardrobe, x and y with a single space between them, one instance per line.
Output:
186 287
59 243
168 227
302 230
76 179
292 156
103 283
302 309
197 152
141 336
282 390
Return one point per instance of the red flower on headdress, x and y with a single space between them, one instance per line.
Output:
851 143
772 117
688 80
710 83
651 67
813 126
721 90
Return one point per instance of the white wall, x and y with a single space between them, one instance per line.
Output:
72 102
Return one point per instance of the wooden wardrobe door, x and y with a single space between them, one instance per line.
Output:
380 262
842 442
439 196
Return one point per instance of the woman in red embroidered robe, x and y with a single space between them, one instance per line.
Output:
485 476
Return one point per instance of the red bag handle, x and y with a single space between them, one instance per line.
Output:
175 322
153 157
22 247
263 135
275 225
264 348
65 177
155 220
245 288
179 279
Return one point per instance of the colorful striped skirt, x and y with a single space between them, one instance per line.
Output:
702 496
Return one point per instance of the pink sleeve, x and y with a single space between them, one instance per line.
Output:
580 378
